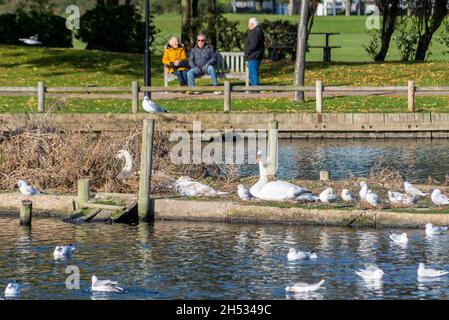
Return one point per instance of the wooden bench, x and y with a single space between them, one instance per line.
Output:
230 65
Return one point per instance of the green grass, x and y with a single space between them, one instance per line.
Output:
353 35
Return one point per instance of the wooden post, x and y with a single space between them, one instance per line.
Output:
26 212
324 175
227 96
272 148
41 96
146 154
135 97
411 96
319 96
83 191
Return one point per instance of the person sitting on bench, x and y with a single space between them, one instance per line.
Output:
202 59
175 59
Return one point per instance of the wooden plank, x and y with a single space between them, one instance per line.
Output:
18 89
273 88
102 206
361 89
88 89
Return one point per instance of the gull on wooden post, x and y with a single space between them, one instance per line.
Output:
151 107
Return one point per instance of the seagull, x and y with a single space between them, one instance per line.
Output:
243 192
296 192
370 273
31 40
430 273
411 190
125 155
364 190
401 198
399 238
431 230
438 198
298 255
151 106
188 187
328 196
27 189
347 195
12 289
372 198
304 287
63 251
307 197
105 285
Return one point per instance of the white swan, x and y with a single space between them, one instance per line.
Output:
273 190
105 285
128 167
190 188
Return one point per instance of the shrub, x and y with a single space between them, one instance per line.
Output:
51 29
407 38
372 47
228 36
115 28
280 33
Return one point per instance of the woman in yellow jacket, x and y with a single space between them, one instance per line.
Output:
175 58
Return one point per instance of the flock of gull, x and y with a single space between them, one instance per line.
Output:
14 289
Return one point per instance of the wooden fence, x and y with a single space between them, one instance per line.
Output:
112 92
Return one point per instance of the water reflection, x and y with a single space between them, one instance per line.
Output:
186 260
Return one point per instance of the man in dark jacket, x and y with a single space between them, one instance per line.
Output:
254 49
202 59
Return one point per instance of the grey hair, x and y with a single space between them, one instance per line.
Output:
202 35
254 21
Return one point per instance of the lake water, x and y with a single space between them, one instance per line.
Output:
416 159
192 260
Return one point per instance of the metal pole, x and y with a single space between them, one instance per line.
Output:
147 53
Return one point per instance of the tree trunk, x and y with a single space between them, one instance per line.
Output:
431 23
390 12
112 2
185 23
194 9
212 8
348 7
273 6
100 3
300 66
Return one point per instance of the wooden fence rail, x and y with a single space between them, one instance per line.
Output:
132 92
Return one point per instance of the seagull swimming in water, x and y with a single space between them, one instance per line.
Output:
105 285
63 251
243 192
430 273
328 196
347 195
26 189
363 191
438 198
399 238
434 230
31 40
13 289
304 287
411 190
372 272
293 255
151 106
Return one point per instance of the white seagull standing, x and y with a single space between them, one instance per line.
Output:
372 198
411 190
328 196
304 287
188 187
307 197
399 238
151 106
438 198
105 285
363 191
401 198
12 289
372 272
298 255
27 189
243 192
31 40
63 251
347 195
430 273
433 230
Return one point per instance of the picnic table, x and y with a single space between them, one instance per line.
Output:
276 48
